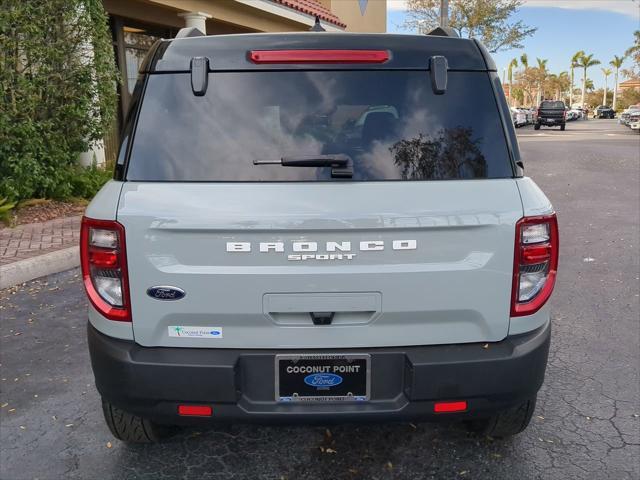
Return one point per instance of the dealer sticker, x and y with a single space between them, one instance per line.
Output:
194 332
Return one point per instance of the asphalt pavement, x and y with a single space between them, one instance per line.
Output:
586 425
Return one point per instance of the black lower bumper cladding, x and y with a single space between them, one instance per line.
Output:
239 384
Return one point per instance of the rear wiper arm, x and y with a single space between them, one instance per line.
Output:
339 163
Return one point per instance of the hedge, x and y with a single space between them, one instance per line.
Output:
58 80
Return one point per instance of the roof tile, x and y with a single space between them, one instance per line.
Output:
314 8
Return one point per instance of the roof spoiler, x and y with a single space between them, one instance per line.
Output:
189 32
444 32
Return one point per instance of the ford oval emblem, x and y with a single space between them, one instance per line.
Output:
166 293
323 380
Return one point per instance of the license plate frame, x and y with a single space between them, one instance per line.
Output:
295 388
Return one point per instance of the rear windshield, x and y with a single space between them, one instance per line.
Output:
552 105
390 124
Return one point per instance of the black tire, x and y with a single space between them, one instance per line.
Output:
562 127
132 428
536 126
506 423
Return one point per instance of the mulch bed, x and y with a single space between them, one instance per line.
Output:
43 210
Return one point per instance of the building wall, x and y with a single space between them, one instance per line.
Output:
230 16
144 12
374 19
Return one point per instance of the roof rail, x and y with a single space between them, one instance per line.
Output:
189 32
444 32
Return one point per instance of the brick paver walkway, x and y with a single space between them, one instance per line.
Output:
33 239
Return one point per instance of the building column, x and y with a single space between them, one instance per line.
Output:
196 19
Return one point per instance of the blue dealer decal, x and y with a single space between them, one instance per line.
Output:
323 380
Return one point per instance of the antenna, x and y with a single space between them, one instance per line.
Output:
317 27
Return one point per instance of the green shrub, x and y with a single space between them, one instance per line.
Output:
57 94
85 182
5 210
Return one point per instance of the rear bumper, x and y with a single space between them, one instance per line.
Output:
239 384
551 121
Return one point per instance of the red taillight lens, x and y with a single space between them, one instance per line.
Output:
195 410
106 258
535 263
103 260
450 407
319 56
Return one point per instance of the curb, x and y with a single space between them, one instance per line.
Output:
31 268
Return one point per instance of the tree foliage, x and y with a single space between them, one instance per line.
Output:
633 53
58 76
487 20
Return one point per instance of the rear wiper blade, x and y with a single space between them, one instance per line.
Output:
339 160
339 163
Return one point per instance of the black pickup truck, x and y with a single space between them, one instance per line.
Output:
604 111
551 113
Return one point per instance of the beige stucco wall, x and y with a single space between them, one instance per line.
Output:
230 16
374 19
234 13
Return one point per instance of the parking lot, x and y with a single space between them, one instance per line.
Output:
586 425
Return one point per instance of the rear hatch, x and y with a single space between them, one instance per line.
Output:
414 247
552 110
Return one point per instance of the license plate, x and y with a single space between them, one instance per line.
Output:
323 378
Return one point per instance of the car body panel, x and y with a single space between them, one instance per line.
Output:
454 287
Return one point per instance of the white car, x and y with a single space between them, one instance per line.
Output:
251 262
634 121
518 117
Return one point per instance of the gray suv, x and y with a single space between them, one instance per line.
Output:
308 228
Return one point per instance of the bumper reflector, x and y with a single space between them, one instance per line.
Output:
195 410
449 407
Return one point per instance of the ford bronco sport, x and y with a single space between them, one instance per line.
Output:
307 227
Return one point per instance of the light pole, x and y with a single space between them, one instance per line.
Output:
444 13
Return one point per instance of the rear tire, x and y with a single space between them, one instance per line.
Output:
536 126
506 423
132 428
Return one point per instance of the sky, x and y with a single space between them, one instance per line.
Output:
602 27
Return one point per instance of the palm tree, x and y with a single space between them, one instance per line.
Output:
606 72
586 61
524 60
574 64
558 84
563 83
616 63
513 64
542 71
634 50
589 85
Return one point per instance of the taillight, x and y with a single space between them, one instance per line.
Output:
318 56
104 267
535 263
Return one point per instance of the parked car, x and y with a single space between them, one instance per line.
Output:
580 112
245 264
634 121
625 115
519 117
551 113
530 113
604 111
